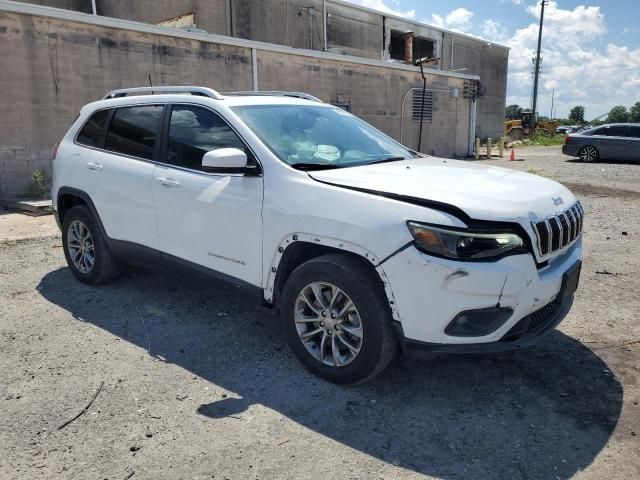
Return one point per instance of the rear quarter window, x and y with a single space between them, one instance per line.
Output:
633 132
92 133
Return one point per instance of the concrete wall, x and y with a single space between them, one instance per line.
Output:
375 95
53 67
211 15
490 63
351 30
354 31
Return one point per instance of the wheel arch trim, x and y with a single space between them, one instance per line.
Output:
84 196
336 244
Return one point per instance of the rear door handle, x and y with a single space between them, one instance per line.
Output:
94 167
168 182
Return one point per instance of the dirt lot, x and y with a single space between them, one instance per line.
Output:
198 382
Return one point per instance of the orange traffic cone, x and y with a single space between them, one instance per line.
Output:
512 157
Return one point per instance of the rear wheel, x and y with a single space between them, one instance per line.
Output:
337 320
85 248
588 154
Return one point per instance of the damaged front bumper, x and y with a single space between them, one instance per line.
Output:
520 302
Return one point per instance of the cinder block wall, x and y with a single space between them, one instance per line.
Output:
53 67
298 24
375 94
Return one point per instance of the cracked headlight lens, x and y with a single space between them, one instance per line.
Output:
464 245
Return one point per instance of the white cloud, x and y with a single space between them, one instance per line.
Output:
494 31
458 20
582 68
382 6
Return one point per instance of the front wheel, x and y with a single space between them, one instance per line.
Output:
588 154
337 320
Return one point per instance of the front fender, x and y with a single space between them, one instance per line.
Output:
336 244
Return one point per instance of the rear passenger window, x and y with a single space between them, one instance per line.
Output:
194 131
92 134
614 131
133 130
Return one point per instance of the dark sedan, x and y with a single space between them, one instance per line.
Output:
619 141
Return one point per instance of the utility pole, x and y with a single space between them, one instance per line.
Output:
553 96
537 71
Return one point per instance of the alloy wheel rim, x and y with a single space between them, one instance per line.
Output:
588 154
80 246
328 324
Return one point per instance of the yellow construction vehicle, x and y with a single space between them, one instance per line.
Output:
521 128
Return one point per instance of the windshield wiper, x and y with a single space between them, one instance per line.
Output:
313 166
385 160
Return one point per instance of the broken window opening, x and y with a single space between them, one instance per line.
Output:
396 45
423 47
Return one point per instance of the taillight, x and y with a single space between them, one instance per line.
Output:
54 151
567 139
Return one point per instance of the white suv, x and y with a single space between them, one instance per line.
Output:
361 243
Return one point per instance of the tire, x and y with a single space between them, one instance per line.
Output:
589 154
77 222
353 278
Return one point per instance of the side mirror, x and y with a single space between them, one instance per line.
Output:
225 160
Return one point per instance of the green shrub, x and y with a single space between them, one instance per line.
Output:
40 188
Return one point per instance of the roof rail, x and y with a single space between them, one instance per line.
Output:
277 93
201 91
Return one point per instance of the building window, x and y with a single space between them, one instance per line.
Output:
416 105
396 45
422 47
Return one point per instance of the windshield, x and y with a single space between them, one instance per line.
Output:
319 136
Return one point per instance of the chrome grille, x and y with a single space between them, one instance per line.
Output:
560 230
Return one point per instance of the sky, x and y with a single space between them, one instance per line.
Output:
590 49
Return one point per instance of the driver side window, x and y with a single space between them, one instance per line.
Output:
194 131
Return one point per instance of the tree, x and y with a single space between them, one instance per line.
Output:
513 112
634 113
577 114
618 114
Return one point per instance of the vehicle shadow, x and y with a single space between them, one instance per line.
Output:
607 161
540 413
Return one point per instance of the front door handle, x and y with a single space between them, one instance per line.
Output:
168 182
94 167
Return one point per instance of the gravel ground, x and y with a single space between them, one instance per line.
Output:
198 383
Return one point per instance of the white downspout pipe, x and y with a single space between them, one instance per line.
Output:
93 7
254 70
472 126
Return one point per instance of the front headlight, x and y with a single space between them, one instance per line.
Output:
464 245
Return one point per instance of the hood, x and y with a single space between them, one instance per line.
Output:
482 192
